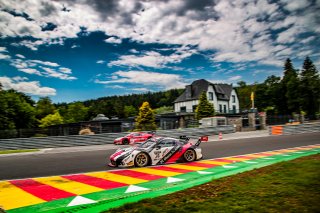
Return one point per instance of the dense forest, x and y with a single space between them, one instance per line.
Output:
296 92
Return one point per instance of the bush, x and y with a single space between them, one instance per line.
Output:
86 131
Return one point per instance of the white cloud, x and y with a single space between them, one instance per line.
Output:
38 67
20 56
49 72
235 78
113 40
23 85
153 59
296 5
141 89
3 53
236 30
167 81
100 62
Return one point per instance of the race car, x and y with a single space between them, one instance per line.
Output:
158 151
134 137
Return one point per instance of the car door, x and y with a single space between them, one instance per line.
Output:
162 151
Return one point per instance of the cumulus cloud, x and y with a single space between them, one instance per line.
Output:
113 40
4 53
235 78
153 59
163 80
235 30
42 68
29 87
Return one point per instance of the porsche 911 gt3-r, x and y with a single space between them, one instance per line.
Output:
157 151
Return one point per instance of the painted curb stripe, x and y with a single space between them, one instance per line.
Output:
238 159
10 194
215 162
116 177
136 174
165 168
42 191
200 164
181 166
93 181
156 172
68 185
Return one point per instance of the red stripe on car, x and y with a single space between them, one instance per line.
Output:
178 154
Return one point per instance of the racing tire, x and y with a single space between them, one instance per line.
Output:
189 155
142 159
125 141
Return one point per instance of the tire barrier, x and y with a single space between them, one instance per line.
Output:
105 138
294 129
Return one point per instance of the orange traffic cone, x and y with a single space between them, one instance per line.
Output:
220 135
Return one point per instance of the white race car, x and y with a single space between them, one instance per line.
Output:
157 151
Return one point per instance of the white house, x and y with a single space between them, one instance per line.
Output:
223 97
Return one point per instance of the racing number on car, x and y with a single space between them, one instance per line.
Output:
157 155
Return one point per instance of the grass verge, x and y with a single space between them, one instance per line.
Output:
291 186
17 151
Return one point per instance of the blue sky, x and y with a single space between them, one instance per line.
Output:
85 49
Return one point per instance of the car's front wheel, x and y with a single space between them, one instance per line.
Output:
141 160
125 141
190 155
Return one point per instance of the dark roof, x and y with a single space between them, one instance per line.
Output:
193 91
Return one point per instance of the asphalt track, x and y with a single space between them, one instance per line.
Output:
48 164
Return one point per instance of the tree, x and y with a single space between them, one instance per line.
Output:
16 111
244 92
130 111
146 118
204 108
163 109
290 89
76 112
44 107
310 88
51 119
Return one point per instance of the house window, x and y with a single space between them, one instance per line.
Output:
224 108
220 108
233 99
210 96
234 109
183 109
194 107
221 122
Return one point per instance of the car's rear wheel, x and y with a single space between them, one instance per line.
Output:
125 141
141 160
190 155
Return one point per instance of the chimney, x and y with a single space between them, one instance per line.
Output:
188 91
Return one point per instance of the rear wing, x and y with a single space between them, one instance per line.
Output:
202 138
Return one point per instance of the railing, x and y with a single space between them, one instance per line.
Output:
100 139
294 129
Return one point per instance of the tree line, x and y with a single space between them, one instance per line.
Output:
19 111
296 92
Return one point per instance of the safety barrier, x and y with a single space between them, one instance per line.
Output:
100 139
294 129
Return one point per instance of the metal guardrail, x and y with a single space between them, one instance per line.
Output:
100 139
294 129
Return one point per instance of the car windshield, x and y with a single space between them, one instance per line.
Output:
150 142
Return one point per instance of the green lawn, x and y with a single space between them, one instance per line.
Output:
292 186
17 151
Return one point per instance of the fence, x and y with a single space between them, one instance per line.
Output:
100 139
294 129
